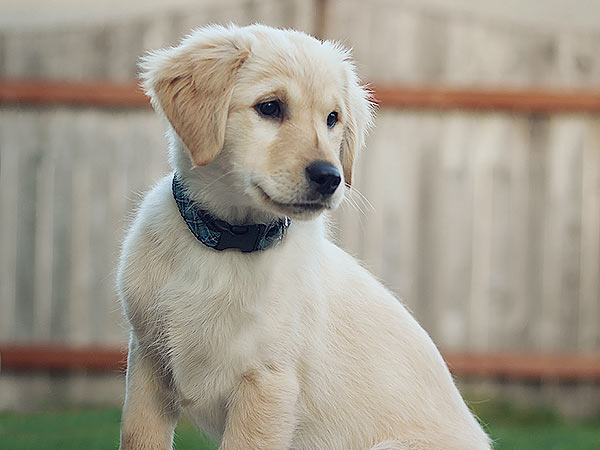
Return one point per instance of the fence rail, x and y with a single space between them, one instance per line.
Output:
511 365
129 95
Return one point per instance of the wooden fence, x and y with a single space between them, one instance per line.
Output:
484 210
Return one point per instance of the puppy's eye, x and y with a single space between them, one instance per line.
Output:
270 109
332 119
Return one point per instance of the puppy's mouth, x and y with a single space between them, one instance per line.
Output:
296 208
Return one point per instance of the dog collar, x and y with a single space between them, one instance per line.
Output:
220 235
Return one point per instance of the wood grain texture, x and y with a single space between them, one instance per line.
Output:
589 294
9 175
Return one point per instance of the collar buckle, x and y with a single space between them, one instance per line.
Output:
243 237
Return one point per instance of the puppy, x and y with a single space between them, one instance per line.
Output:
242 312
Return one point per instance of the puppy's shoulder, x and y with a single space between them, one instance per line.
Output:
155 216
152 238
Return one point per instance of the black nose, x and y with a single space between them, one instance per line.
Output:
324 177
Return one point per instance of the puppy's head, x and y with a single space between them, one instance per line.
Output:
282 112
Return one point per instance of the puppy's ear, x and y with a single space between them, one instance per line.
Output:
359 119
192 85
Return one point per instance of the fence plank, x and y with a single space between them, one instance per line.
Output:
84 206
452 227
402 185
373 187
562 234
43 234
27 130
61 143
487 147
125 45
9 177
589 295
577 57
517 317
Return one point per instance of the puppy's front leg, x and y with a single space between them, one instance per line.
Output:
151 410
261 413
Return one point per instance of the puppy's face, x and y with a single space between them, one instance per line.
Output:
283 110
287 119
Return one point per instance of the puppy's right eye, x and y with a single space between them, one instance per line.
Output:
271 109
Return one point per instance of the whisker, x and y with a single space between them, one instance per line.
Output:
354 204
362 197
361 213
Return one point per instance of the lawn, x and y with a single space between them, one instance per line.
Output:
95 429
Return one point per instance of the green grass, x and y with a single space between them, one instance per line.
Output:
94 429
515 428
88 429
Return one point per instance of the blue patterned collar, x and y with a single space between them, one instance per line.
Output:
220 235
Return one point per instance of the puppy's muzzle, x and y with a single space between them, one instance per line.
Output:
323 177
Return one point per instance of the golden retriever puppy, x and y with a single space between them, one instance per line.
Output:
242 312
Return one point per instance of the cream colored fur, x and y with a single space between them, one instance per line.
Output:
295 347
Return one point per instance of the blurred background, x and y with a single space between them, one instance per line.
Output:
482 180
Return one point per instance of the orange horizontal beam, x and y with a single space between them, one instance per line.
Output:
128 95
523 100
508 365
102 94
525 366
31 358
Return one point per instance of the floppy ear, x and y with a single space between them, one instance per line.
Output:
192 85
359 118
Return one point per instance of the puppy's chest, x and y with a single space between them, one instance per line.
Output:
214 327
218 330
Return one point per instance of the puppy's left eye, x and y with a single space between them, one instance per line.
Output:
332 119
271 109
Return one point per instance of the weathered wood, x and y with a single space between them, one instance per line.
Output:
589 295
44 231
452 228
406 174
85 213
61 143
502 256
561 234
28 141
487 143
9 180
426 215
401 186
485 190
517 316
125 45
